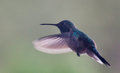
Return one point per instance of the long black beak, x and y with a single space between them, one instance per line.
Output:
49 24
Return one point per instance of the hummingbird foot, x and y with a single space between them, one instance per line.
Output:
78 54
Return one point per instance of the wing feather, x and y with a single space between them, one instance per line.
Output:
53 44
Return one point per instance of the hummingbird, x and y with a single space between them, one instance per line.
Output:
69 39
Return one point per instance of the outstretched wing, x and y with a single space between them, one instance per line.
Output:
53 44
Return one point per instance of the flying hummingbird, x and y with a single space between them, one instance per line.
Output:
70 39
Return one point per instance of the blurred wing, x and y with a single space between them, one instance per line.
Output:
53 44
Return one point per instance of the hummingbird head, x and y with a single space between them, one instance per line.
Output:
64 26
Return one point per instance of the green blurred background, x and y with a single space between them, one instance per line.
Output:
19 26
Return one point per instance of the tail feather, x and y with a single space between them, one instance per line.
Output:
94 54
102 59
